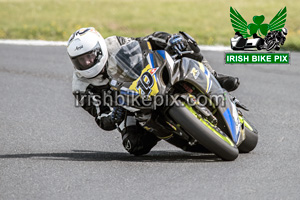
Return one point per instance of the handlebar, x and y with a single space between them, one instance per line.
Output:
180 53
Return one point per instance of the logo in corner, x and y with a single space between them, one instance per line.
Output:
265 36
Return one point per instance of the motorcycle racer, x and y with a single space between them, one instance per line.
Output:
93 58
274 39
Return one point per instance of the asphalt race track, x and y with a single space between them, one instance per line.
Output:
51 150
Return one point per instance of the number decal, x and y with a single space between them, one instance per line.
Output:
145 83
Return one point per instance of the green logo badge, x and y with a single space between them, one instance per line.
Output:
274 33
239 24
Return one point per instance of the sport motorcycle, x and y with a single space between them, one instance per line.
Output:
180 101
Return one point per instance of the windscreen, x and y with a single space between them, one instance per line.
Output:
130 59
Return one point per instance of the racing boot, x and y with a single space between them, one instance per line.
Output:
135 139
229 83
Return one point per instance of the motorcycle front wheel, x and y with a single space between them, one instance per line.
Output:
204 132
270 45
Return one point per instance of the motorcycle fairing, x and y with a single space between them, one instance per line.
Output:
146 83
228 117
208 85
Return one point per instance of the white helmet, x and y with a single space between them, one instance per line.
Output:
88 52
284 31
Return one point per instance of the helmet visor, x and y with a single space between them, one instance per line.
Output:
87 60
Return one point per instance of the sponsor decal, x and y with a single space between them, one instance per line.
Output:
78 48
195 73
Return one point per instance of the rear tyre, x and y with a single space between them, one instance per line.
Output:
211 138
251 139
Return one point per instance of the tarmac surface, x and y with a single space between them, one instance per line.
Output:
49 149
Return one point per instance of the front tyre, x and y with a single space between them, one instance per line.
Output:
205 133
270 45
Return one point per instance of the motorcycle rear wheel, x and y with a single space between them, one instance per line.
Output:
251 139
205 133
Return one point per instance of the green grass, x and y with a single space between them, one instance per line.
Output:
207 21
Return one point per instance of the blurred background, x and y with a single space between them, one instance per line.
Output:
207 21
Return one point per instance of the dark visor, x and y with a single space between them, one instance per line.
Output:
87 60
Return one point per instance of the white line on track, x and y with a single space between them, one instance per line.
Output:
64 43
34 42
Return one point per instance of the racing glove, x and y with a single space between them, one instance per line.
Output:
110 121
177 43
117 115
